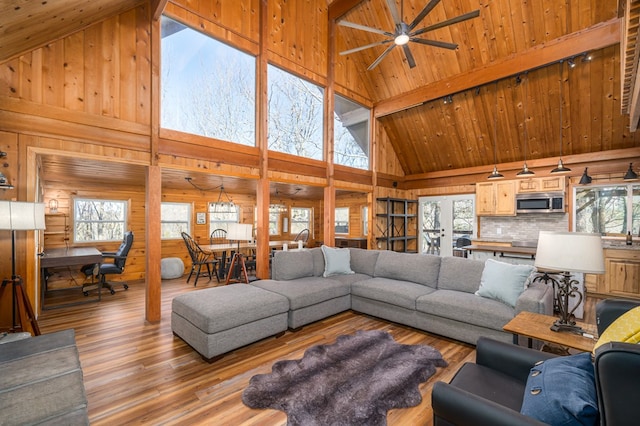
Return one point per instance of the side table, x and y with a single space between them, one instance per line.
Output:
537 326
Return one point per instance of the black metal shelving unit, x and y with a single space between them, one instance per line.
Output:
397 221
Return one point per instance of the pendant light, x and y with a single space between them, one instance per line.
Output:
585 179
495 174
525 170
630 175
561 168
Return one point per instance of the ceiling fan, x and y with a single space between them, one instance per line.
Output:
404 33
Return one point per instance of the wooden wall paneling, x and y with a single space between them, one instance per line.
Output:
110 62
53 73
143 104
128 80
355 202
73 87
93 91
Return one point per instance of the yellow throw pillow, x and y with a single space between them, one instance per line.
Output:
624 329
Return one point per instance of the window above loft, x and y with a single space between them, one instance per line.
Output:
208 88
351 134
295 115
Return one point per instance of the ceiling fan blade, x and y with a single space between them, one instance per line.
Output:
357 49
407 53
381 57
364 28
397 19
451 46
448 22
424 12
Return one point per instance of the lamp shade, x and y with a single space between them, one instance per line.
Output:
240 232
570 252
21 216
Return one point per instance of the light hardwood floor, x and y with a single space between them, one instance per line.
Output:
136 372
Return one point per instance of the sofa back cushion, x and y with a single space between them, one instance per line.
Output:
460 274
418 268
318 261
289 265
363 261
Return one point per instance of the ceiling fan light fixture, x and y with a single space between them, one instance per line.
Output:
401 39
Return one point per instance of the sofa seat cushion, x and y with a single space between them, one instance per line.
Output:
394 292
415 268
221 308
306 291
350 278
467 308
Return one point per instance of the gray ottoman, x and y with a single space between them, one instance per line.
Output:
217 320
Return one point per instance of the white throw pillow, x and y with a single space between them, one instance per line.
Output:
337 261
503 281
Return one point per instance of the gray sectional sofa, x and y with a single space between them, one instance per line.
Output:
431 293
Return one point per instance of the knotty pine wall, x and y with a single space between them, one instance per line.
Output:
88 95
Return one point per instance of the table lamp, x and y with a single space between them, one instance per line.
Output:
20 216
239 232
563 253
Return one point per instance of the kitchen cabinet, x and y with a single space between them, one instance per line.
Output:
496 198
543 184
622 274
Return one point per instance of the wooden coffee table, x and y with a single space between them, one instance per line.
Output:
536 326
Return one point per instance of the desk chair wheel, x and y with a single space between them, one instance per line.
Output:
113 291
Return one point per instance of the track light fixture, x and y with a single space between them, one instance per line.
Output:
518 79
448 99
561 168
585 179
525 170
495 174
630 175
571 63
587 57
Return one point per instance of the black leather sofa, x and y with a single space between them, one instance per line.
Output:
490 392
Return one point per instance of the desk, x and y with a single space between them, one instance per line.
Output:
536 326
60 257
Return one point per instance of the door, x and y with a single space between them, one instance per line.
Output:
442 221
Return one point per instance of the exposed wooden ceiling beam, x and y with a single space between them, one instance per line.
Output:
157 7
340 7
596 37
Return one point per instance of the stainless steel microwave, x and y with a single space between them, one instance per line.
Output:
540 202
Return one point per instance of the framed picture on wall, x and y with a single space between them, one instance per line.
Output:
201 218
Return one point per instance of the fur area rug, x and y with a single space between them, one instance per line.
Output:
354 381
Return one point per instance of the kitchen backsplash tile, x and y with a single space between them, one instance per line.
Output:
522 227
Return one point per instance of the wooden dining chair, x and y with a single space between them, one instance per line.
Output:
200 258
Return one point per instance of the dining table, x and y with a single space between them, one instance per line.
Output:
222 250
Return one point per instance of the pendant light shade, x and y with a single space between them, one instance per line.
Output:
495 174
561 168
630 175
585 179
525 170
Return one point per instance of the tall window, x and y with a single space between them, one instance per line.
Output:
208 87
300 219
365 220
98 220
610 209
221 215
351 134
295 115
175 218
275 214
342 220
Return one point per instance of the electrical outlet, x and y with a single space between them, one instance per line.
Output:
499 231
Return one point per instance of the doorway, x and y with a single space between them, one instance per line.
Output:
445 223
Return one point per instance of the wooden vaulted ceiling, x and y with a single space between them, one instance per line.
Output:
509 38
505 71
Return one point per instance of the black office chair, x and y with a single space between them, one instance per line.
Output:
109 268
199 258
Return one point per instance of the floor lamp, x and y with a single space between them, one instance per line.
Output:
20 216
562 253
239 232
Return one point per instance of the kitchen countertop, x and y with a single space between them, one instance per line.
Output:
502 249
